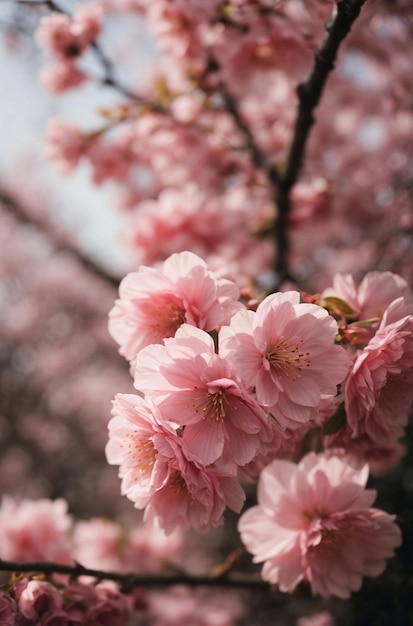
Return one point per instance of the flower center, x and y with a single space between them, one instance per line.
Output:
163 317
143 454
211 404
325 537
288 359
178 486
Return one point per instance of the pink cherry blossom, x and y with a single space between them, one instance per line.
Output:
61 76
270 44
87 22
66 38
100 543
96 543
181 606
38 598
286 352
8 609
196 388
171 223
378 393
64 145
55 36
160 473
110 160
100 605
314 523
149 547
35 530
132 445
108 607
194 496
155 302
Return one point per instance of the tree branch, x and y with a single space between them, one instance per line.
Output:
309 95
257 155
61 243
128 581
108 77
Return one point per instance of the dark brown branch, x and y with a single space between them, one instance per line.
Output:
128 581
60 242
309 95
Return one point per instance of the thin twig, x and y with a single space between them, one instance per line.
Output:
108 77
61 243
256 153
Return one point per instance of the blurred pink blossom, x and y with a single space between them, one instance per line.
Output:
64 145
61 76
35 530
181 606
65 37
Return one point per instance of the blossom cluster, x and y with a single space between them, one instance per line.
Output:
42 530
66 38
203 415
230 389
180 145
314 522
376 326
39 602
224 390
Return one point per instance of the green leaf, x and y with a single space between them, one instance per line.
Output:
337 305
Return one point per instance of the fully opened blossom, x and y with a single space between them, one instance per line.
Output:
314 523
194 496
286 351
197 389
161 474
154 303
133 430
378 392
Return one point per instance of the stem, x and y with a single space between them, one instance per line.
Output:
108 78
257 156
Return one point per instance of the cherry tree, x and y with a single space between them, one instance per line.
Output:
261 398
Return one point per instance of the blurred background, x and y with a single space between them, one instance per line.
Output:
60 263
